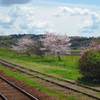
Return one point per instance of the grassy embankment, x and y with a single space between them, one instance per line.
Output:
67 68
30 82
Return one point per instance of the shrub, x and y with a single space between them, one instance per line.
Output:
89 64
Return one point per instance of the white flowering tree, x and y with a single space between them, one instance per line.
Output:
92 45
57 45
28 46
37 48
23 46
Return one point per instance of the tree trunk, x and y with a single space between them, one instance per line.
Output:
59 58
28 54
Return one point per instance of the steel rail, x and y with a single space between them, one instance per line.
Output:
3 97
19 89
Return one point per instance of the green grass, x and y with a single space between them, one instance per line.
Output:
67 68
36 84
68 60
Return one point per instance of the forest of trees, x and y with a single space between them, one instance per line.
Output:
76 41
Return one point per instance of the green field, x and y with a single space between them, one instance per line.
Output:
67 68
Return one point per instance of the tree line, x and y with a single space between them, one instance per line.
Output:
49 44
76 41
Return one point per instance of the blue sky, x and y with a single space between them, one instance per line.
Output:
85 2
71 17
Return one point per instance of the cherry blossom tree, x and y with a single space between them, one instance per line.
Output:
23 46
57 45
28 46
37 48
92 45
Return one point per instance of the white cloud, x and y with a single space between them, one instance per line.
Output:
90 20
21 19
36 17
95 17
88 27
6 22
91 25
63 11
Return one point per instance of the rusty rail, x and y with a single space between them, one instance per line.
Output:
22 93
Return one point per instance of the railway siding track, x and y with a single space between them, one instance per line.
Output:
91 92
9 91
2 97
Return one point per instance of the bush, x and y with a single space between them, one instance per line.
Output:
89 64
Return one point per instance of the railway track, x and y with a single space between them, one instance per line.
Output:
9 91
91 92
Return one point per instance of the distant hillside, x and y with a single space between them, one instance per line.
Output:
79 41
7 41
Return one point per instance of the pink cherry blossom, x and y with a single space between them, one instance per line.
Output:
23 46
55 44
93 45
